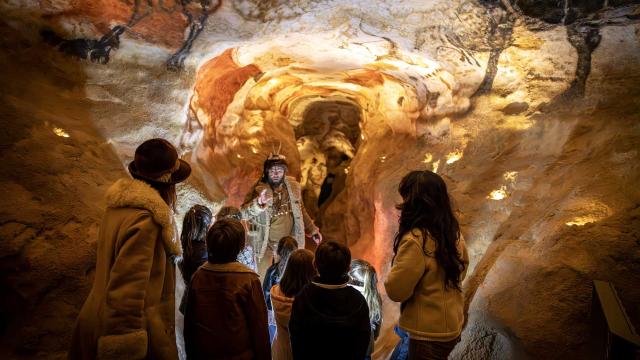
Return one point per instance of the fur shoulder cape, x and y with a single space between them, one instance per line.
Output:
128 192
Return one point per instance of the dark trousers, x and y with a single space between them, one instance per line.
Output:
431 350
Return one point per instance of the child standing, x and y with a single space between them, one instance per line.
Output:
226 316
194 231
298 273
286 246
246 256
363 277
329 319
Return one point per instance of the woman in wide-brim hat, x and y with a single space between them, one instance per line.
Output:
130 311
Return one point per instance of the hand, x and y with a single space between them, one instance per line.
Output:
265 197
317 238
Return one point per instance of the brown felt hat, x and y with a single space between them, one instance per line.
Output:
157 160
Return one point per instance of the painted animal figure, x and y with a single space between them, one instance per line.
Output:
99 51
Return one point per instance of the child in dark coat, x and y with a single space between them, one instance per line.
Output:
226 315
329 319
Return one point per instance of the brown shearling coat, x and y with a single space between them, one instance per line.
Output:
130 311
226 316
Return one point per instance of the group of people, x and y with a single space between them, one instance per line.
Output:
253 290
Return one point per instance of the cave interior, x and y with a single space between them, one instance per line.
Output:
529 110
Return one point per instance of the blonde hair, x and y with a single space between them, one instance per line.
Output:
364 275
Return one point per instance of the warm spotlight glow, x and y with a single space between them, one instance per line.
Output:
427 158
383 158
510 175
60 132
362 136
454 156
435 166
585 211
582 220
254 150
335 85
239 156
498 194
517 123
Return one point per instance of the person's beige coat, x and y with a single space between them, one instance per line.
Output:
430 311
130 312
281 347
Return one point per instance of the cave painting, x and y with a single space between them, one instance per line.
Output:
582 19
162 22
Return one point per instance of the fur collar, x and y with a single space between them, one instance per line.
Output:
233 266
330 286
128 192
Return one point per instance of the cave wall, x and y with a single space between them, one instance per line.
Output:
529 112
56 166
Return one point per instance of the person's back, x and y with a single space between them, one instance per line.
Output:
329 319
220 304
298 273
130 311
286 245
246 255
226 316
194 231
430 262
363 277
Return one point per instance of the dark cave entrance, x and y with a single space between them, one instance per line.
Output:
327 138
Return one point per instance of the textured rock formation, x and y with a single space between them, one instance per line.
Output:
520 106
55 168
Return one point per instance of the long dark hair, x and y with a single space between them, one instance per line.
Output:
426 206
194 228
298 273
286 246
363 274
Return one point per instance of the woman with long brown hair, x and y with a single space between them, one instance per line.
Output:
430 262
